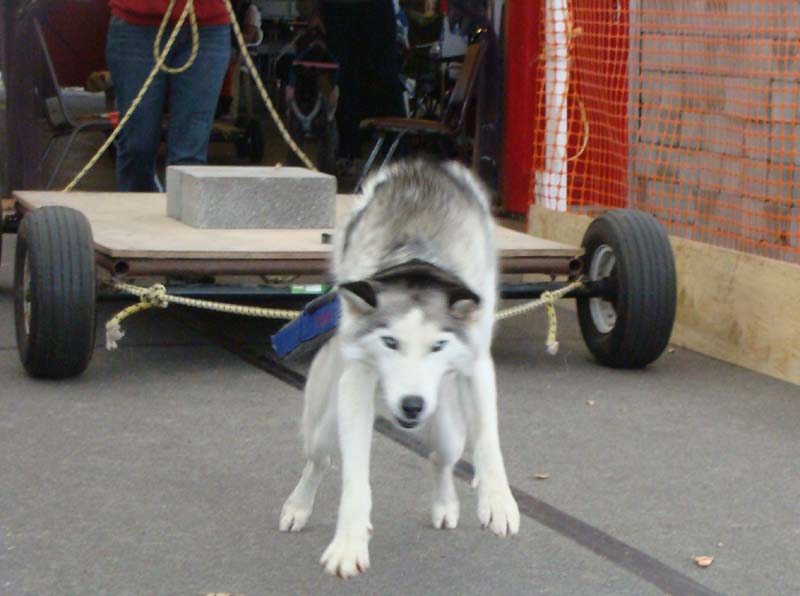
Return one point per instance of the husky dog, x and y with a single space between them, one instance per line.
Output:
416 269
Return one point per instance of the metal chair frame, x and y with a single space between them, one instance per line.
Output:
67 125
451 124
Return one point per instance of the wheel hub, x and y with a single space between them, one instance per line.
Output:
604 315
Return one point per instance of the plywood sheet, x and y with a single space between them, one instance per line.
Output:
135 225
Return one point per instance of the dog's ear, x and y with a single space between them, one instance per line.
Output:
360 297
463 302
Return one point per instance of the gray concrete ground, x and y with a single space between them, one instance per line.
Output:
163 468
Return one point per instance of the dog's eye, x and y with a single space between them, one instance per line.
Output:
390 342
437 346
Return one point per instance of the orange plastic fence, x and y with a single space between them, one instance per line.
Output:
688 109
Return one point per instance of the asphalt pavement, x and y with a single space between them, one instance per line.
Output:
162 470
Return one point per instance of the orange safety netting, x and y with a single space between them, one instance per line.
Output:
687 109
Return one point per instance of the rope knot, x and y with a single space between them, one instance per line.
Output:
155 296
549 298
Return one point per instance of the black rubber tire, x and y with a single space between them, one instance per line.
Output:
57 244
646 293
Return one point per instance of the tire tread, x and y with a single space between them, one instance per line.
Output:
59 246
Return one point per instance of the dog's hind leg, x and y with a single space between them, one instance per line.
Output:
497 508
348 553
447 435
319 438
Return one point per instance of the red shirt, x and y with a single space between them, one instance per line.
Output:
150 12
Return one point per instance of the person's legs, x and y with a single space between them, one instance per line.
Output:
129 53
341 25
194 93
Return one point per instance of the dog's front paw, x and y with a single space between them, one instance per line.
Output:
347 555
293 517
497 509
445 515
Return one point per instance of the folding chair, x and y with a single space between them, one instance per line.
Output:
450 126
63 123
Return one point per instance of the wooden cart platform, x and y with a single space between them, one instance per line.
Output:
134 236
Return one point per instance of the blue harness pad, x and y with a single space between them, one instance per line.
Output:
319 318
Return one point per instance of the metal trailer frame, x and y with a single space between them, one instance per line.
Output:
629 283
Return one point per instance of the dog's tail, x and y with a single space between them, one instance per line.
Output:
455 171
468 182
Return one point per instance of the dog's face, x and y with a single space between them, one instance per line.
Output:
413 335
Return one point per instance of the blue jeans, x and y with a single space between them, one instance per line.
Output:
191 97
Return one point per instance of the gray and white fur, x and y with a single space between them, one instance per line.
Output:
416 269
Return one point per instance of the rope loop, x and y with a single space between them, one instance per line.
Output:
157 53
547 299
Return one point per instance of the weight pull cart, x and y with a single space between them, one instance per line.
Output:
67 243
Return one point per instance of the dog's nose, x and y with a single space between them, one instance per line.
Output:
412 406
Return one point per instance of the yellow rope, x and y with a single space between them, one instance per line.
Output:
159 65
547 300
195 39
156 297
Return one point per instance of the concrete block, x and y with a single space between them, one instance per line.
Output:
661 15
233 197
698 54
702 215
747 57
757 140
782 143
637 192
662 199
784 100
175 175
740 219
692 124
661 109
783 188
747 177
701 169
747 97
724 135
706 92
785 58
661 52
654 161
782 197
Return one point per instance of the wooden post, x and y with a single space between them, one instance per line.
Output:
522 50
22 69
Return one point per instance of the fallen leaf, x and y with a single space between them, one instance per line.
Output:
590 402
542 476
703 561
